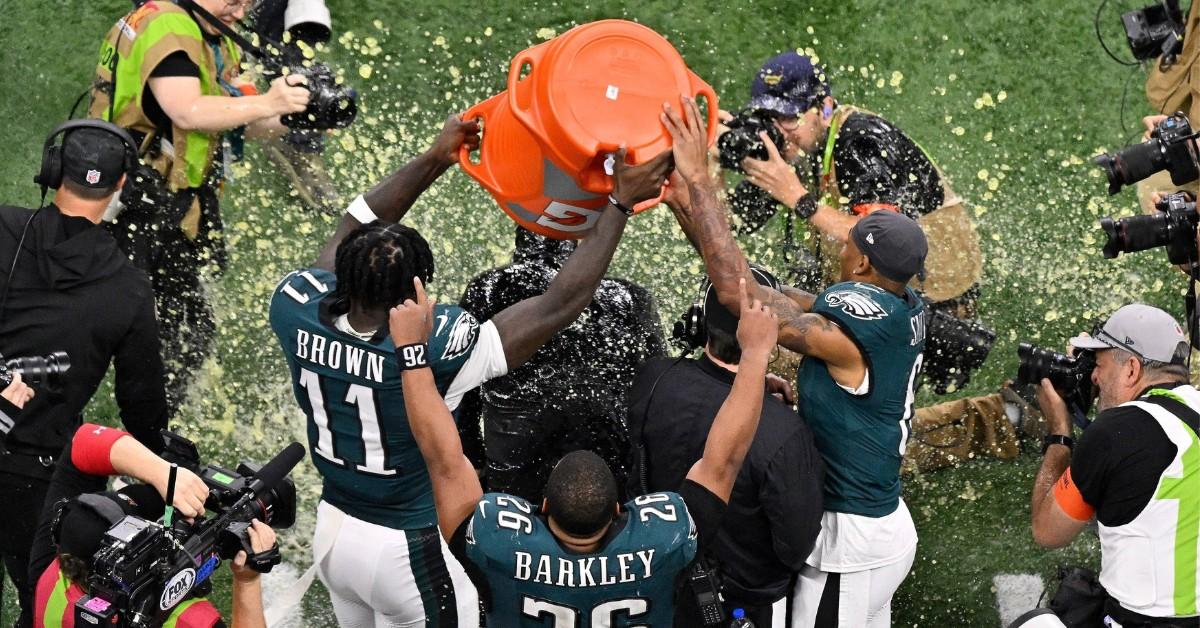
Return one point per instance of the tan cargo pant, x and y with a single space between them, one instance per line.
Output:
950 433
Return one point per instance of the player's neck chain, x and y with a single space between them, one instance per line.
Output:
343 325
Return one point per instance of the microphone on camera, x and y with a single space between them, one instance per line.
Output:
277 469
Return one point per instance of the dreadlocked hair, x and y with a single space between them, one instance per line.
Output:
376 263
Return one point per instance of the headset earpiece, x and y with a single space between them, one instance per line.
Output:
51 173
828 111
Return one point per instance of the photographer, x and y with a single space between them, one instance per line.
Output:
854 163
1136 469
77 516
67 287
167 76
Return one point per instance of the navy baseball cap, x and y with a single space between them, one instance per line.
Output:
93 158
893 242
789 84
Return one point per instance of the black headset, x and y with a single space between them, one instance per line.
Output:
51 174
689 331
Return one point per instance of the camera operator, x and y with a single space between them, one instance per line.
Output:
67 287
169 77
77 515
297 153
573 393
854 163
774 512
1136 469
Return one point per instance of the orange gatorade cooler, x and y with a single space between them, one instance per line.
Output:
576 99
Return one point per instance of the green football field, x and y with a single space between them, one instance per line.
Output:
1011 98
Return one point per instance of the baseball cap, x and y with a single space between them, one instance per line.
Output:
894 243
93 158
86 518
1143 330
789 84
716 316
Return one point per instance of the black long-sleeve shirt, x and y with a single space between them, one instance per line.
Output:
775 508
73 290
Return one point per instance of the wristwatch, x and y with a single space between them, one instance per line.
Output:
627 210
1057 439
805 206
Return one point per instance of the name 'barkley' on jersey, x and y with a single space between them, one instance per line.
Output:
349 388
628 581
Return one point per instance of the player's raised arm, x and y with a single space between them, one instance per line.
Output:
525 326
737 420
704 220
456 488
391 198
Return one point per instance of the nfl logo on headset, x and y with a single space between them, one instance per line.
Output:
93 177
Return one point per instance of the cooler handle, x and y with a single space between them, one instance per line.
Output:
478 171
701 88
532 57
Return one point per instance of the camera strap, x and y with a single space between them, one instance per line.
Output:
237 37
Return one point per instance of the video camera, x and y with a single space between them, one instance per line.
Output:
743 140
1071 376
1171 147
1154 31
145 569
36 370
1174 226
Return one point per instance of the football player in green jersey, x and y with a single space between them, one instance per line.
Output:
862 340
376 542
579 558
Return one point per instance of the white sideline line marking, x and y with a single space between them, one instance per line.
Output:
1016 594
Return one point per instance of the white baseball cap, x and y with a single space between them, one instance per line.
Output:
1143 330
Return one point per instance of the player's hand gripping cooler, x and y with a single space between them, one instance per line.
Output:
571 103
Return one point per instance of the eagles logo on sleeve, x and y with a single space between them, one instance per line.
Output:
461 336
856 304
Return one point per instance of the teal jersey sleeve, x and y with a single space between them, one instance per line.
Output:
862 433
628 581
350 392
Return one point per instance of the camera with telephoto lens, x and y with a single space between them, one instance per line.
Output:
36 370
743 140
1172 226
1071 376
145 569
1154 31
1171 147
954 348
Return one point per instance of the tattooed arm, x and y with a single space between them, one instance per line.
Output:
703 217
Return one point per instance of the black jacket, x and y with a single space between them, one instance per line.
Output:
775 508
74 291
